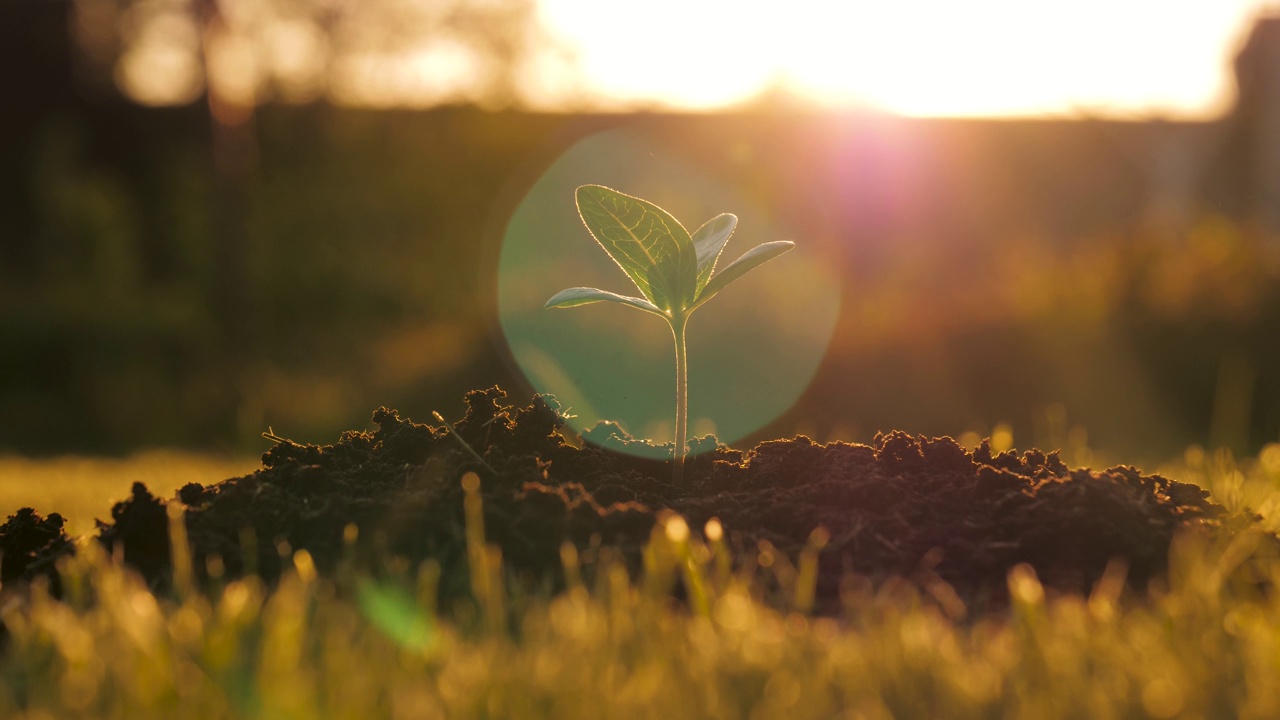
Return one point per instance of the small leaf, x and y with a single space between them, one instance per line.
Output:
396 613
650 245
576 296
751 259
709 241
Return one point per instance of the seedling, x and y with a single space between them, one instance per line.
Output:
674 271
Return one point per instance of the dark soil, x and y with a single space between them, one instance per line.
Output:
907 506
30 546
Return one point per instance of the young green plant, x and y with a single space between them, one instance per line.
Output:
674 271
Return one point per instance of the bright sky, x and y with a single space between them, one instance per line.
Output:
1119 58
916 57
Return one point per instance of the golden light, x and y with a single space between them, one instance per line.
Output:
438 72
915 57
161 65
298 50
667 52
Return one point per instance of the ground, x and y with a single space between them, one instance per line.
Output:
928 510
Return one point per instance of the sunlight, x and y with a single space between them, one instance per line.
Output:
439 72
1009 57
913 57
673 53
161 67
922 57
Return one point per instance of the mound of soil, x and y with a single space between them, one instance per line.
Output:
30 546
907 506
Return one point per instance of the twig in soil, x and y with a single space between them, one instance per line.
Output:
464 443
271 435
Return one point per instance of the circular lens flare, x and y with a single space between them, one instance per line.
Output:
753 349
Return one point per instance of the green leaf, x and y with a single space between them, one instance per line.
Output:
750 260
576 296
650 246
396 613
709 241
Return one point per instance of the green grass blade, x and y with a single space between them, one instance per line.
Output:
650 245
396 613
709 241
750 260
576 296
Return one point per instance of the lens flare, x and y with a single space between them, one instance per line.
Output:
752 352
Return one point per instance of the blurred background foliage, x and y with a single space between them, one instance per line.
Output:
187 262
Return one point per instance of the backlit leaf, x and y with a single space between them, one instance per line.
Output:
708 242
576 296
650 246
750 260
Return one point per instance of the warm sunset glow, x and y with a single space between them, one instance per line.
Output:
916 57
1134 58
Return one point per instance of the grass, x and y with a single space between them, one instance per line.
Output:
1205 644
83 488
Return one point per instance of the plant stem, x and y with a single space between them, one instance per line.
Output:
682 398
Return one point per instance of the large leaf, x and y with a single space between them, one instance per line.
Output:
750 260
650 246
576 296
708 242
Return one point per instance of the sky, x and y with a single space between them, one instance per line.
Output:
1140 58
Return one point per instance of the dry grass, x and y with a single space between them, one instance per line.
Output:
1205 644
84 488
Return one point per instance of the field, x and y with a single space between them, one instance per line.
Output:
1204 643
227 217
83 488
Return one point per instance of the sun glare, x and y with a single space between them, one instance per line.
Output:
666 52
913 57
916 57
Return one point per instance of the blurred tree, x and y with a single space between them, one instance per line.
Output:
374 52
198 237
237 54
